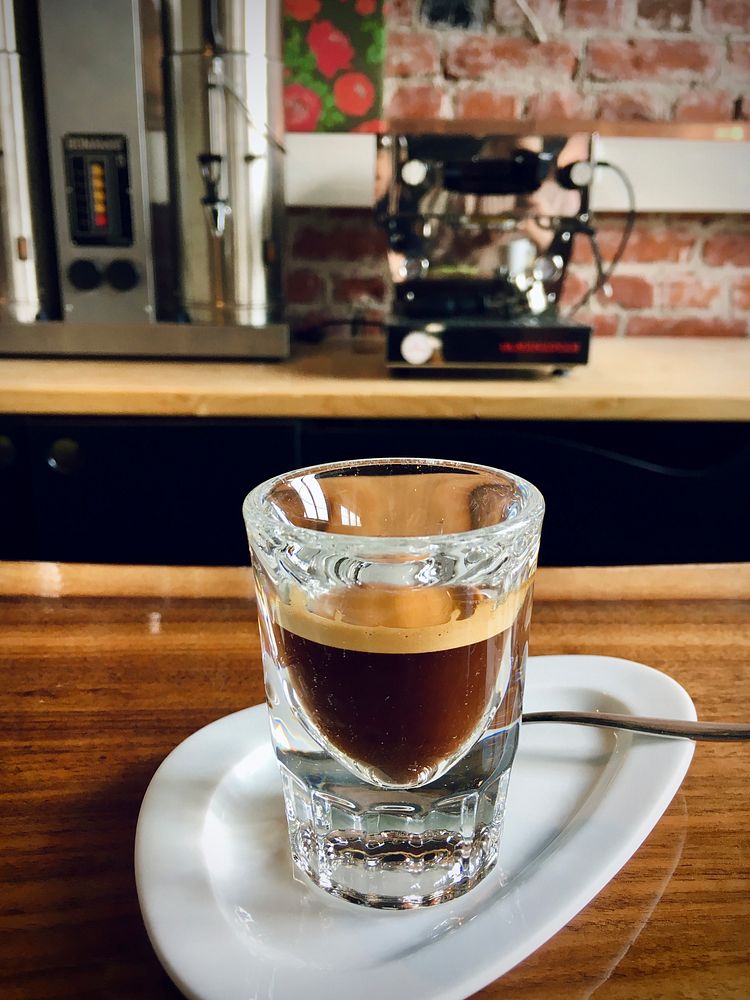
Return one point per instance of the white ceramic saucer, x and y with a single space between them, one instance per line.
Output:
229 922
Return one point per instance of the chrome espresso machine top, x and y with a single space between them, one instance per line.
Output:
480 230
141 201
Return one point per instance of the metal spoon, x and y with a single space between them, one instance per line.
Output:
677 728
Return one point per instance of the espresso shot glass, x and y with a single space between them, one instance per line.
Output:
394 601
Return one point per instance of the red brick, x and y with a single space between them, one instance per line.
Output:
340 243
651 58
508 15
581 252
475 57
411 53
304 286
359 290
401 12
728 248
690 292
705 106
631 291
723 14
741 293
419 101
604 324
574 288
595 14
739 57
558 104
635 105
664 15
607 235
485 104
690 326
646 245
547 13
557 57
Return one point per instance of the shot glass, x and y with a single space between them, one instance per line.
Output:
394 600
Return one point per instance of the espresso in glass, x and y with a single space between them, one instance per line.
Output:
394 605
401 682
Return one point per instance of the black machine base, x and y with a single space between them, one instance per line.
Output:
469 343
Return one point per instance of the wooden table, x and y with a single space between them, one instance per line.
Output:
103 670
630 378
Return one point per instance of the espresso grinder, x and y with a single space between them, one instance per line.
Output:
480 230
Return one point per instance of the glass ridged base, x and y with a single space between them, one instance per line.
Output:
393 848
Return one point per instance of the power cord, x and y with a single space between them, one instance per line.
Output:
533 19
603 274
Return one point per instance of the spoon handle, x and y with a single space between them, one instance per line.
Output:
679 728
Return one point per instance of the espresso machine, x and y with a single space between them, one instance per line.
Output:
480 229
141 201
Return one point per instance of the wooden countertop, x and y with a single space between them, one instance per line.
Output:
93 696
626 379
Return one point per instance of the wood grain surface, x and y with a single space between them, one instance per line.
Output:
99 683
636 378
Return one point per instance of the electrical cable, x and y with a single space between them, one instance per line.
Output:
533 19
604 274
265 132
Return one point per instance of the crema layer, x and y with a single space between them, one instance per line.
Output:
399 619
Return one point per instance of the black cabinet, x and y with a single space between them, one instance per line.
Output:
16 515
150 491
171 490
616 493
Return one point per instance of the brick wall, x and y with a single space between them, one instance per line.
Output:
676 60
335 267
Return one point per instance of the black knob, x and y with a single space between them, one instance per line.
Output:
65 456
122 275
84 275
7 451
